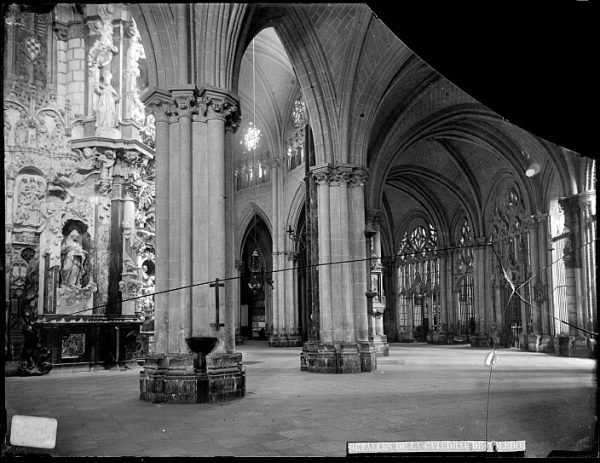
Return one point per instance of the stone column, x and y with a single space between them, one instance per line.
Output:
359 253
216 199
572 260
184 98
128 291
291 309
377 304
322 179
274 338
159 105
342 313
342 292
588 256
232 291
479 279
277 337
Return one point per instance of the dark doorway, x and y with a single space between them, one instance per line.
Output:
256 281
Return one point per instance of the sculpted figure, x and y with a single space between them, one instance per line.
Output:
107 114
72 259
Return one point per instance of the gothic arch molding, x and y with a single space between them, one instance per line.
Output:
245 223
156 24
465 123
428 203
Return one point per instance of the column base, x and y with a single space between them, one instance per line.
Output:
582 347
480 341
226 376
172 378
285 340
546 344
278 340
382 347
318 357
294 340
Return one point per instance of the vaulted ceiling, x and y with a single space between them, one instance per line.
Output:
267 88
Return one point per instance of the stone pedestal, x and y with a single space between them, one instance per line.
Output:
285 340
318 357
278 340
173 378
480 340
533 343
169 378
546 344
294 340
368 356
380 343
226 376
582 347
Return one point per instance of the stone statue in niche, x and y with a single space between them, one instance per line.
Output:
107 106
73 259
31 286
21 131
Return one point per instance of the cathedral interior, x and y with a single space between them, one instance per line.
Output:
184 178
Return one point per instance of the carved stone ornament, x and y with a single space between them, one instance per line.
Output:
322 177
358 178
160 108
340 176
31 191
184 105
216 107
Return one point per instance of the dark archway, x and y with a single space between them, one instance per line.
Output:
256 305
303 285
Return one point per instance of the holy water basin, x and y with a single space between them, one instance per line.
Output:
202 344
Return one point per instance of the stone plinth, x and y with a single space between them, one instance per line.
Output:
368 356
582 347
278 340
173 378
317 357
546 344
226 376
481 340
294 340
533 341
382 348
169 378
285 340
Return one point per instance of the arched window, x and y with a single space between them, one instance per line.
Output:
463 270
511 260
418 283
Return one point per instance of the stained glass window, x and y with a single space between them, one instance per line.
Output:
418 282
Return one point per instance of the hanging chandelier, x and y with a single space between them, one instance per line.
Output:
251 137
252 134
251 140
255 284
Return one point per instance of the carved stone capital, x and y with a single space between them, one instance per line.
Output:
358 178
184 102
215 103
322 175
61 30
571 207
159 104
76 31
340 175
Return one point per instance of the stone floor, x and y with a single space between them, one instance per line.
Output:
419 392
